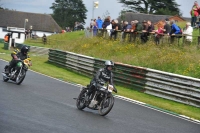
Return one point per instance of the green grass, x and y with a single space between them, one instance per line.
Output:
184 60
69 76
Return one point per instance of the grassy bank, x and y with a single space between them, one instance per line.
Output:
66 75
184 60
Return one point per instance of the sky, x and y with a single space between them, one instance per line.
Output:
105 6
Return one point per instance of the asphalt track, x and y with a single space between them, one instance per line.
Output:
45 105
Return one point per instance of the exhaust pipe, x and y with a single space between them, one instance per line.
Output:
5 75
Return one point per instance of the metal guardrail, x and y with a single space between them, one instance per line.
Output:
158 83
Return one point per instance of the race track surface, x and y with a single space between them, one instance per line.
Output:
45 105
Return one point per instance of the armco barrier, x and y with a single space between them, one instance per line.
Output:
162 84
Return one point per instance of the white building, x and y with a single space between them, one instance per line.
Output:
38 24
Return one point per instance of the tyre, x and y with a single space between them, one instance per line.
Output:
21 77
80 102
106 105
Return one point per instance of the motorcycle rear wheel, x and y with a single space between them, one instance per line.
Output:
106 105
80 102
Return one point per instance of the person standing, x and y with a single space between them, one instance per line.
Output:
115 27
194 13
188 30
99 23
95 27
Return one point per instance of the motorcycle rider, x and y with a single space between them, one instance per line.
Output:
102 76
16 57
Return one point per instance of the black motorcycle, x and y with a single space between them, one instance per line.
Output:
101 99
18 73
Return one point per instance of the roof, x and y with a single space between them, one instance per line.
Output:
130 16
39 22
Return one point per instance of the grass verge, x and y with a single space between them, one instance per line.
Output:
40 64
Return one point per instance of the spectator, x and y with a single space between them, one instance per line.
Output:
95 27
91 23
147 28
44 38
194 13
76 26
138 26
198 24
167 27
188 30
159 34
175 30
116 26
106 23
7 37
99 23
126 29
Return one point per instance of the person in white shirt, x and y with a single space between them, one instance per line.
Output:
188 31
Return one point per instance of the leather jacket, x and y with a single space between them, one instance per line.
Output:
103 76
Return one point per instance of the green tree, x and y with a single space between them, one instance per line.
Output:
1 5
67 12
162 7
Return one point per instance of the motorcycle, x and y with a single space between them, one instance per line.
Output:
18 72
102 99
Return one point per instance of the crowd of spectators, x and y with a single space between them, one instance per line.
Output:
142 29
146 28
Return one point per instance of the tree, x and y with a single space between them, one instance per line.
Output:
1 5
67 12
162 7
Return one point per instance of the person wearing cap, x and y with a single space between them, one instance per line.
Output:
194 13
167 27
188 30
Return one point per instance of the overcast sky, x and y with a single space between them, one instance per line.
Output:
110 6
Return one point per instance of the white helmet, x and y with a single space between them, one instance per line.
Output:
109 63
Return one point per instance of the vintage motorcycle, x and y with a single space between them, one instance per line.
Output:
18 72
101 99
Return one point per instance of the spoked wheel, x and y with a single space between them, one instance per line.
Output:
106 105
21 77
80 102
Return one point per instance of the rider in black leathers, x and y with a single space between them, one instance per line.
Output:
16 57
102 76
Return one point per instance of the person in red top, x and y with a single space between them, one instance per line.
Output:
194 13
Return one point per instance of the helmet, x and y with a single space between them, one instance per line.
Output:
24 50
109 63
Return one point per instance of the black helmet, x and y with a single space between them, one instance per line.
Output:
24 50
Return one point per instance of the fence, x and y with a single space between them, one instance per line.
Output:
134 37
162 84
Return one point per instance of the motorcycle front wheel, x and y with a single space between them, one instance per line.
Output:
80 102
21 77
106 105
